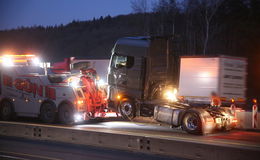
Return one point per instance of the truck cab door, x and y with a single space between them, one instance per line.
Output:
126 76
118 71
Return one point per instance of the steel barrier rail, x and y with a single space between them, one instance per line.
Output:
137 142
245 120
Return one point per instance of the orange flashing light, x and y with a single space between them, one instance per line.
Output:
209 120
20 60
18 55
234 120
17 60
232 100
79 102
254 101
118 97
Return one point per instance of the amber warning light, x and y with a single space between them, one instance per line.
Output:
11 59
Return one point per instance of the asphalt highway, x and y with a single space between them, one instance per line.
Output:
248 140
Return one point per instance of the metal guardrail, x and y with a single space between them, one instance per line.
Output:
131 142
245 120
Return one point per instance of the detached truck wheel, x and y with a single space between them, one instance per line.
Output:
127 109
48 113
191 123
6 110
66 114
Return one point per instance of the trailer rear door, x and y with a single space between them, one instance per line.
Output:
232 83
198 78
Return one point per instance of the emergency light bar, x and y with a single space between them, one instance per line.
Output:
11 60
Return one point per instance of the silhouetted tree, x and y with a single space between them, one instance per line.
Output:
139 6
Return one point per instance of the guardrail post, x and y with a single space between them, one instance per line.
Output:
254 114
233 107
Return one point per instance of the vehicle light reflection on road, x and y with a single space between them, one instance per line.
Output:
240 136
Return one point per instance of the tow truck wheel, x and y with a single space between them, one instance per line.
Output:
48 113
6 110
191 123
66 114
127 109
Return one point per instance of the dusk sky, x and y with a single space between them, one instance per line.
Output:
15 13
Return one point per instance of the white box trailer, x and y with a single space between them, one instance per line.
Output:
200 76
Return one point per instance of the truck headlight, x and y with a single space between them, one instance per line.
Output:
7 61
78 117
171 95
101 82
36 61
74 82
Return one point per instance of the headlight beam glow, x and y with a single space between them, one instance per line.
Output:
171 95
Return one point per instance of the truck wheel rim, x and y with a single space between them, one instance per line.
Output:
192 123
127 109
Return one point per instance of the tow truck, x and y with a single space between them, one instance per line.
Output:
147 80
31 90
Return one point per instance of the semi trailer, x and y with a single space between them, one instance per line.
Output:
147 79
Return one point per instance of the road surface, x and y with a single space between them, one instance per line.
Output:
31 149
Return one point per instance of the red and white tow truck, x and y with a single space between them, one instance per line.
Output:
27 89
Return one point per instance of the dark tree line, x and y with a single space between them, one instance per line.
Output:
199 27
212 27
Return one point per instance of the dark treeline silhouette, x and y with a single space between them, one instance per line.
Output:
199 27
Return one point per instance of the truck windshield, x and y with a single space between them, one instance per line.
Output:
120 61
79 65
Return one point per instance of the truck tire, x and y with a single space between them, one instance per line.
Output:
66 114
191 123
6 110
127 109
48 112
